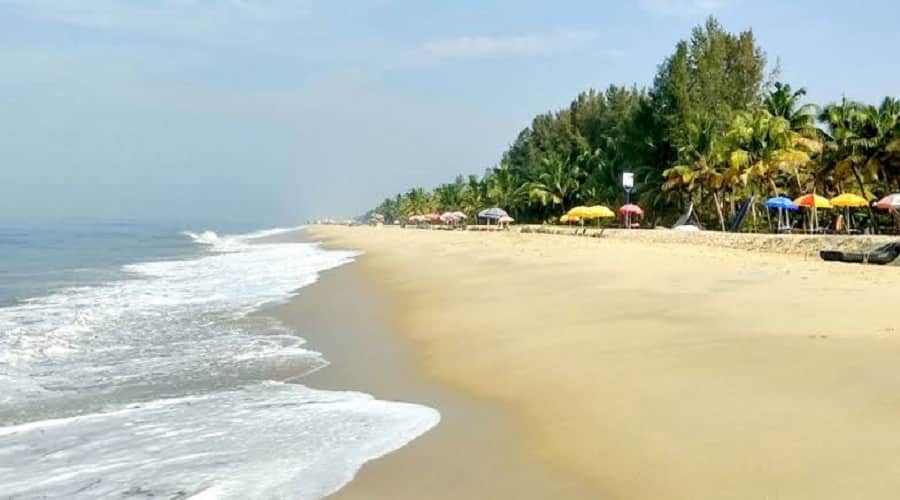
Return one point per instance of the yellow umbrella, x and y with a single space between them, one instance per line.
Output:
579 213
812 201
601 212
849 200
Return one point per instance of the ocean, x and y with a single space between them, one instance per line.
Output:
134 363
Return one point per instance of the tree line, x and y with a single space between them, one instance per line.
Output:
712 130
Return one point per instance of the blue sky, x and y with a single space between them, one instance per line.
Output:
279 110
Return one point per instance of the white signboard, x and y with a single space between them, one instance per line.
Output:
628 180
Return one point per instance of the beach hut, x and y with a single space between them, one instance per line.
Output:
813 202
784 205
848 201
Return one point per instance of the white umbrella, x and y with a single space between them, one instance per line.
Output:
889 202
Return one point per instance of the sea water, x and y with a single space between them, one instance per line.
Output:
131 366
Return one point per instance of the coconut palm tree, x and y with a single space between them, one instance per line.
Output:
473 196
784 102
449 196
556 184
505 189
763 147
702 165
417 201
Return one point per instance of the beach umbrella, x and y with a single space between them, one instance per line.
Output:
492 213
448 218
812 201
459 215
565 219
435 217
631 209
849 200
601 212
889 202
506 219
782 204
628 210
579 213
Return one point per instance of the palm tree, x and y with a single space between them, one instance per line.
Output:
784 102
556 184
602 169
449 196
417 201
701 165
853 139
505 189
473 196
763 147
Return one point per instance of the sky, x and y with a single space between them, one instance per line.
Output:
277 111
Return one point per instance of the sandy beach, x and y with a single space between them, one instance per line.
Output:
365 354
634 369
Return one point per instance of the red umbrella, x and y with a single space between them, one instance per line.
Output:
435 217
631 209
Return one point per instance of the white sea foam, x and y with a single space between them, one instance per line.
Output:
161 385
262 441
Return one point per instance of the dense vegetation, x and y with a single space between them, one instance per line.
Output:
712 130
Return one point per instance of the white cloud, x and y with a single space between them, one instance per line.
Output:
469 47
686 8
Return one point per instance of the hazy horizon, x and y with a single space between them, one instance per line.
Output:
277 111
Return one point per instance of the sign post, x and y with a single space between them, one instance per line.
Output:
628 185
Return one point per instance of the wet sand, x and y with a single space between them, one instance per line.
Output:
649 370
475 452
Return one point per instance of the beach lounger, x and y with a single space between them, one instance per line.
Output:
880 256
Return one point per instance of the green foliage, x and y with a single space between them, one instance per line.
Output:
707 132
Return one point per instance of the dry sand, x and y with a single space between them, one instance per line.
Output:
655 370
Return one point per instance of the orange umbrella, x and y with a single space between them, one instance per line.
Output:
812 201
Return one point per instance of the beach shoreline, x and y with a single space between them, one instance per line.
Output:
653 371
474 452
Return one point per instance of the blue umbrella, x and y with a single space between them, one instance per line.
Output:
492 213
782 203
